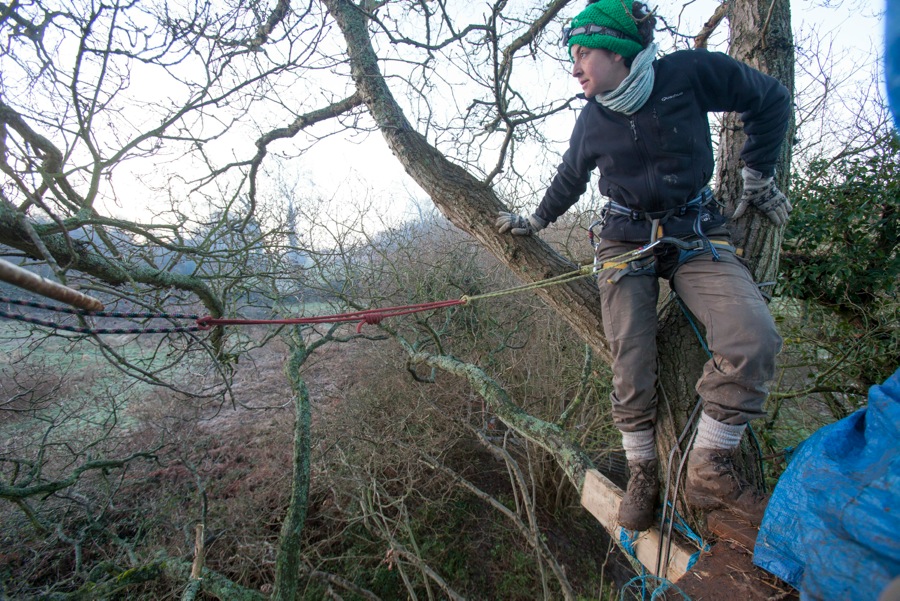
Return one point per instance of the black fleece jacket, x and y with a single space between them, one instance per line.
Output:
661 156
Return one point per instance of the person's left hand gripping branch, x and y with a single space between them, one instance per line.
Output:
761 192
519 225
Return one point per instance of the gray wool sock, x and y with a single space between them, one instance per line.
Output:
639 446
712 434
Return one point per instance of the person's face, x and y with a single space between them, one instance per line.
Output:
597 70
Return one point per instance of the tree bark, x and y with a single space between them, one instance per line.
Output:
466 201
761 37
287 562
212 582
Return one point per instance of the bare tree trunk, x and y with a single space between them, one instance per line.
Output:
761 37
287 563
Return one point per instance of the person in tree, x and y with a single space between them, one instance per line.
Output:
645 128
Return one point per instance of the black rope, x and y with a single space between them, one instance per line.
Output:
61 309
86 330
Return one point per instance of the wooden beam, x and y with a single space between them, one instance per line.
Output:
15 275
602 498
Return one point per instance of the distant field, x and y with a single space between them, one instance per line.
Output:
64 383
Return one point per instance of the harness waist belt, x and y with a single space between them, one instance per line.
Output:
643 261
703 198
680 244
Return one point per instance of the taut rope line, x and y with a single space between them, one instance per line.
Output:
367 316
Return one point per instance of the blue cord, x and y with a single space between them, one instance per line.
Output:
662 588
627 538
694 327
682 526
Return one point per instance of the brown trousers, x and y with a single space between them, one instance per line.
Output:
740 333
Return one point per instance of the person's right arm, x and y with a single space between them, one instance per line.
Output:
567 186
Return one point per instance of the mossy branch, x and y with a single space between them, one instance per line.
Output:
550 437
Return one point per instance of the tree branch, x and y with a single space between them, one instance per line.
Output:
47 488
462 198
572 459
702 38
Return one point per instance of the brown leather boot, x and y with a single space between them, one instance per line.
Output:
713 482
638 508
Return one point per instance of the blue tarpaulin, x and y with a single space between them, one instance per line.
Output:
892 57
832 527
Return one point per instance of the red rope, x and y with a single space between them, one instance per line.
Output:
368 316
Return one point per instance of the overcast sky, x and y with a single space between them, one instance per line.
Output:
855 26
338 168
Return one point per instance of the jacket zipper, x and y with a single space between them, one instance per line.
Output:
643 155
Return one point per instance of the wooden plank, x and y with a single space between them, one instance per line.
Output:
602 498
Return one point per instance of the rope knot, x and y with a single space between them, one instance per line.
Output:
373 320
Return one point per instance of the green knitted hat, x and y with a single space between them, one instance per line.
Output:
606 24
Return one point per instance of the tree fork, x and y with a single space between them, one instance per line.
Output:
466 201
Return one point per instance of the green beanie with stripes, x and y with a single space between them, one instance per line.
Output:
606 24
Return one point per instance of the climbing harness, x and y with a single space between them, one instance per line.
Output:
703 198
642 260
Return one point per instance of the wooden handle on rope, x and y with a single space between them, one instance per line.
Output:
17 276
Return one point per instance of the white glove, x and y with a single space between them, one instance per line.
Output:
519 225
761 192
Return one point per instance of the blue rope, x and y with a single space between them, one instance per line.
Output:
655 586
694 327
682 527
627 538
662 588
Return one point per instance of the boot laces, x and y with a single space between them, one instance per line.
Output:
641 482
